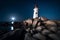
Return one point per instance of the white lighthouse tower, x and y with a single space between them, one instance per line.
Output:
35 14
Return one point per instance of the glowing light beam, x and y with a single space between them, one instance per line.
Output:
13 18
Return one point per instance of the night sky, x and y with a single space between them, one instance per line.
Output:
23 9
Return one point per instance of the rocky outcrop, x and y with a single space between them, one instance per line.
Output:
43 27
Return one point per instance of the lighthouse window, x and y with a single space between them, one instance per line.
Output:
36 13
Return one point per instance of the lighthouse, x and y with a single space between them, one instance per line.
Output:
35 13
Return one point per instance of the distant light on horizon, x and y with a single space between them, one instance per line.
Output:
13 18
12 22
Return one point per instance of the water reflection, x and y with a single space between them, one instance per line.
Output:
12 28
